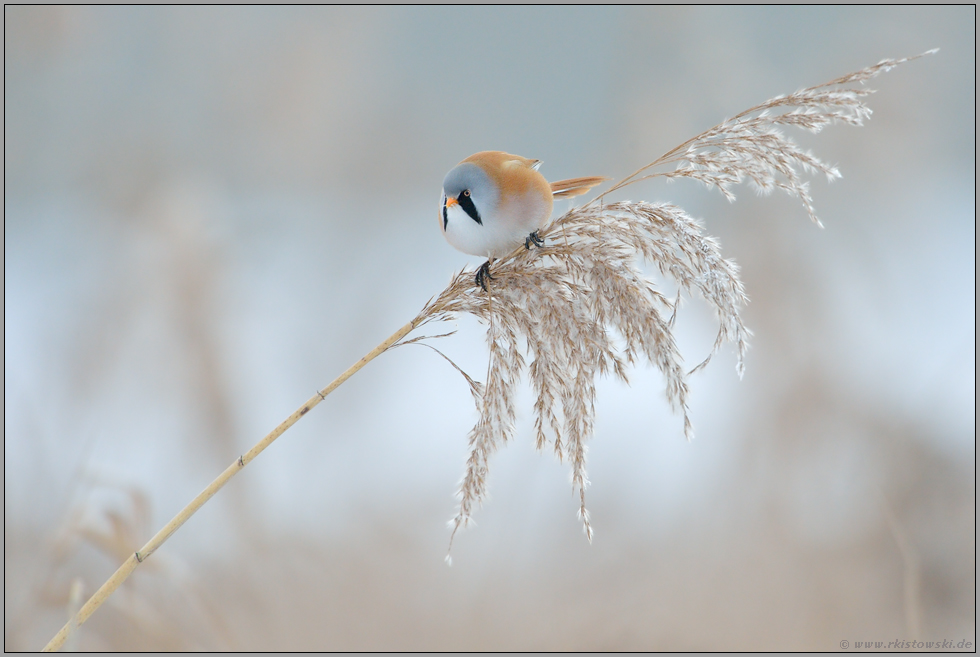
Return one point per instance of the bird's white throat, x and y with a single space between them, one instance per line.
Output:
491 239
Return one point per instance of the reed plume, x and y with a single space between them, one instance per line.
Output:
580 306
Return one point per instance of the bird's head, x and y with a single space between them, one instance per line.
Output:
468 190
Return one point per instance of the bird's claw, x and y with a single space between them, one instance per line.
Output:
483 275
534 239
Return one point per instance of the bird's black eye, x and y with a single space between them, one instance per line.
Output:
466 192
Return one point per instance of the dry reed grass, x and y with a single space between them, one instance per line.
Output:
580 306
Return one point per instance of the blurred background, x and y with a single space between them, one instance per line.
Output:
210 213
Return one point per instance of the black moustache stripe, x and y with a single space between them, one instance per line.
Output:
445 217
466 203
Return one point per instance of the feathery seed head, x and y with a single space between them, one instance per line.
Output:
580 307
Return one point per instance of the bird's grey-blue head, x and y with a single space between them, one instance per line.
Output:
468 177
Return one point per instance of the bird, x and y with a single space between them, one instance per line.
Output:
494 201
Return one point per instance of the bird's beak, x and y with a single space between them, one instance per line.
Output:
451 201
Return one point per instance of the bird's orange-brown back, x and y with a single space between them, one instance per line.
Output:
514 175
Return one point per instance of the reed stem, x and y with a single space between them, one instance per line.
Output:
128 566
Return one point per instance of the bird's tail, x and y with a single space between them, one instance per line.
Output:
575 186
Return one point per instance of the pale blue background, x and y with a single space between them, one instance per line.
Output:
210 213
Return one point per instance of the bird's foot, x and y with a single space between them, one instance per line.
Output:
534 239
483 275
